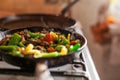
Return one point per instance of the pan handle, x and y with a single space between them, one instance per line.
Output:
68 7
71 29
42 72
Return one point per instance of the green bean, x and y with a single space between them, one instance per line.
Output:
8 48
16 53
15 39
49 55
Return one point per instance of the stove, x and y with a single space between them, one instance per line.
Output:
81 68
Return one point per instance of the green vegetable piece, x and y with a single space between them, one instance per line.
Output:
39 36
15 39
32 35
16 53
21 44
74 47
49 55
71 49
53 45
65 42
8 48
58 48
36 36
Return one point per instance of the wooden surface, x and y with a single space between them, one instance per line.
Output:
5 13
32 6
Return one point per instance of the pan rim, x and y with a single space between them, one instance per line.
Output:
13 17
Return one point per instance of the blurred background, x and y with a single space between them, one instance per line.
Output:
100 20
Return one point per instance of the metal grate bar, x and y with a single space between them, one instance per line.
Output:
31 73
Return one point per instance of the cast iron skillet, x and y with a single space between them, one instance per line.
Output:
29 63
23 20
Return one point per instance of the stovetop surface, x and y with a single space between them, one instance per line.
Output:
75 70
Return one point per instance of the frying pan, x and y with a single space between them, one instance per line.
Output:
29 63
23 20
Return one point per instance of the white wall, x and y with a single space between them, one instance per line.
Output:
86 11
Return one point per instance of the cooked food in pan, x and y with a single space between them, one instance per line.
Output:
41 44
